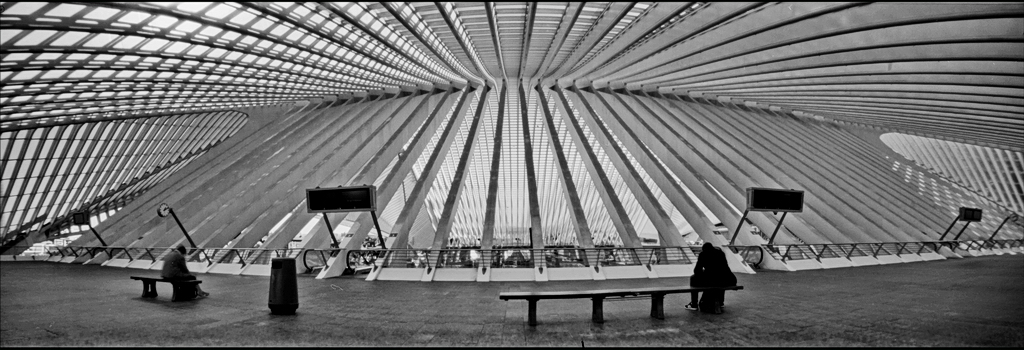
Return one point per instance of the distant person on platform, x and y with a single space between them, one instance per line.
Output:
176 269
712 270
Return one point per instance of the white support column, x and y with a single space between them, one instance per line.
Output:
343 171
876 174
837 186
487 235
580 224
197 176
319 236
531 174
195 189
264 186
416 197
676 195
818 204
393 181
723 171
603 186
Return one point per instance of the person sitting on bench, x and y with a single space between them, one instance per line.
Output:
712 270
176 269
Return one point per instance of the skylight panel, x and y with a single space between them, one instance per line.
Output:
188 26
262 24
301 11
210 31
128 42
54 74
102 13
198 50
69 38
79 74
242 18
99 40
177 47
35 37
7 34
154 44
294 36
133 17
216 53
163 22
221 11
279 30
24 8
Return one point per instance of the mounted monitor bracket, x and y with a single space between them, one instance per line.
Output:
966 214
343 200
82 218
773 200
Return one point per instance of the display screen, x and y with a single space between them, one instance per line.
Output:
770 199
970 214
341 199
79 219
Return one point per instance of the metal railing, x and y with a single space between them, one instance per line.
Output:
521 257
787 252
314 258
752 255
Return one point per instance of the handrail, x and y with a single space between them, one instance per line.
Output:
522 257
323 254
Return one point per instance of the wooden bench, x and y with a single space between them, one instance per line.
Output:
657 295
183 290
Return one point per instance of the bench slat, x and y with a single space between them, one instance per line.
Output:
606 292
656 294
154 279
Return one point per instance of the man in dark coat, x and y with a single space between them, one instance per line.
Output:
712 270
175 268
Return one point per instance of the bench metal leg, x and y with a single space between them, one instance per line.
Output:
598 313
532 313
148 289
658 306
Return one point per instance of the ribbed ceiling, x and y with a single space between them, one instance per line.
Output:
950 71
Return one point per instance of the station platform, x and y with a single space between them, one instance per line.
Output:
957 302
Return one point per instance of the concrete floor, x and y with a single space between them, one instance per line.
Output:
965 302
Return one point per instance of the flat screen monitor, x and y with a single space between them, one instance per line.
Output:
773 199
341 199
79 218
970 214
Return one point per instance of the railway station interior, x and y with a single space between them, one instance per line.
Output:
859 165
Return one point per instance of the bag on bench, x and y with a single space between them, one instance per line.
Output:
711 301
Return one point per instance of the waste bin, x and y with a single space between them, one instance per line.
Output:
284 290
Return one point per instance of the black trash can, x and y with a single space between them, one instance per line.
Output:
284 290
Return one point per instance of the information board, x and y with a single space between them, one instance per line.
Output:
773 199
970 214
341 199
79 218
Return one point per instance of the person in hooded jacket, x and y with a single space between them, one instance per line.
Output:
712 270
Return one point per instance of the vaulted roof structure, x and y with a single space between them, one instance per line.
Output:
509 123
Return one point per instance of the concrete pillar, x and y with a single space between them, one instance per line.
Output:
603 186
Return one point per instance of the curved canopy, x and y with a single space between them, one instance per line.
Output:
949 70
179 73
